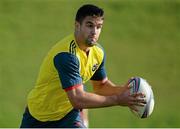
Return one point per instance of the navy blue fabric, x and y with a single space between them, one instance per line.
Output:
100 73
67 66
71 120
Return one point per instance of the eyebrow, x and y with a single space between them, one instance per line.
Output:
89 22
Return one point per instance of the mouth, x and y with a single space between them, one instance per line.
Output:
91 41
92 38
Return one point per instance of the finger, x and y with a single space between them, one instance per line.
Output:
129 86
144 102
131 79
133 108
139 100
140 104
137 104
128 83
142 95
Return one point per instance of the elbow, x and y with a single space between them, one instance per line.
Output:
77 103
77 98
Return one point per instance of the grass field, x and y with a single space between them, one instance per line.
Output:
140 37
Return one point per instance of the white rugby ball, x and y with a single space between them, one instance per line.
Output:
140 85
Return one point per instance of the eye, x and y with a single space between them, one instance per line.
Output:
99 26
89 25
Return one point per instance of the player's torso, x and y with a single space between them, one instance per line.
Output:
48 101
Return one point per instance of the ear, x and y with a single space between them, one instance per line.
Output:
77 25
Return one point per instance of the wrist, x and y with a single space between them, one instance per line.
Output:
114 100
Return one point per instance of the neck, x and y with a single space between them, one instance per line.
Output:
81 43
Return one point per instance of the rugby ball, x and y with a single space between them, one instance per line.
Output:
140 85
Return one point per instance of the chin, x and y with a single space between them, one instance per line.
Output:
90 43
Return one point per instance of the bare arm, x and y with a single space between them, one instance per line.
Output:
106 87
81 99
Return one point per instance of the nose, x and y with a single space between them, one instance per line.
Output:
94 31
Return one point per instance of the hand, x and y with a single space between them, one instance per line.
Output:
138 100
130 100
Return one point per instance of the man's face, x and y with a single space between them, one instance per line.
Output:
90 29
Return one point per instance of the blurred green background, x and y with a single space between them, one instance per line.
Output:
140 37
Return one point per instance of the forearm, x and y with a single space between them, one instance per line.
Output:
91 100
107 88
83 100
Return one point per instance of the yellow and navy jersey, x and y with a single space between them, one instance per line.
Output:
65 67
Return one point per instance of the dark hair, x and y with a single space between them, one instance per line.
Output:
88 10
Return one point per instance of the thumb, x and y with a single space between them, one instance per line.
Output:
127 86
129 83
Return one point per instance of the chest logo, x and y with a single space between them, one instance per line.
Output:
95 67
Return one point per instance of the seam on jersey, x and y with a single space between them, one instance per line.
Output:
72 87
72 48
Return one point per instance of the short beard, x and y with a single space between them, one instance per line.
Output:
90 43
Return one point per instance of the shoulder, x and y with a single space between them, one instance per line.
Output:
67 66
65 59
64 45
